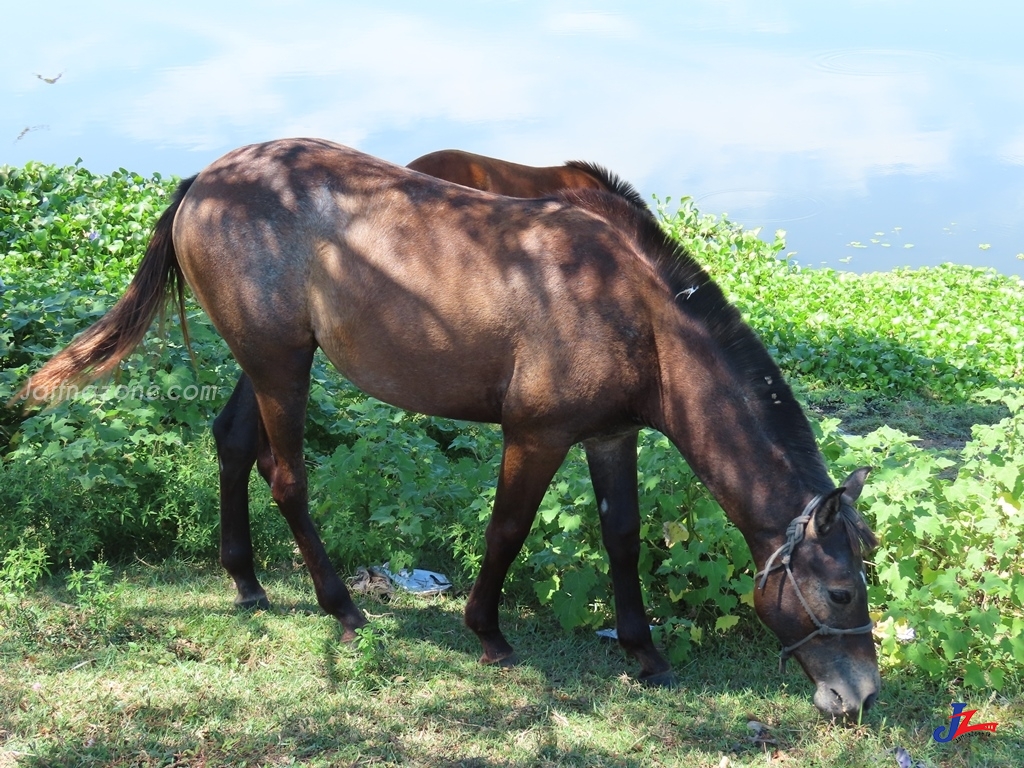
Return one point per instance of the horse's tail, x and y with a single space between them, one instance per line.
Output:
106 342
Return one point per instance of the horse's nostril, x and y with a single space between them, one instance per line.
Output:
869 702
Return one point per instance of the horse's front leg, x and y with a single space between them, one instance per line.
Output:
612 463
235 432
527 466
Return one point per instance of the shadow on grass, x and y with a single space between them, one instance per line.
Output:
270 687
566 676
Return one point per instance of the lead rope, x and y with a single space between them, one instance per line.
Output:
794 535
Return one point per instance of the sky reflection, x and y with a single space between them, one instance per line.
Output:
833 121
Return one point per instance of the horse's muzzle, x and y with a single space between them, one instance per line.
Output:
847 699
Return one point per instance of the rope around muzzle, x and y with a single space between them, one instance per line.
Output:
794 535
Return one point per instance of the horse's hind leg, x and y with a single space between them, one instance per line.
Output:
282 393
612 464
527 467
235 432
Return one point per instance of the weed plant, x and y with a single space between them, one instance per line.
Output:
114 474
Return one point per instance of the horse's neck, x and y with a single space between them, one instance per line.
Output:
710 418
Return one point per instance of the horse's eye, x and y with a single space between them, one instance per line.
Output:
840 596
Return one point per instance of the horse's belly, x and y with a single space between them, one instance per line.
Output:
472 389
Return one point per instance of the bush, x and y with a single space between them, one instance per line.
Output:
945 332
948 577
114 473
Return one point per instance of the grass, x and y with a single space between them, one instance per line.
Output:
941 426
153 667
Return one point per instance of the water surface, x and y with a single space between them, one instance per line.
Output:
877 134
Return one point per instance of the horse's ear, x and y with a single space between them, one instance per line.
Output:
854 484
827 512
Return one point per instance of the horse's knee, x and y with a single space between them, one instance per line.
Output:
236 445
287 491
235 430
621 542
507 533
626 531
265 465
222 425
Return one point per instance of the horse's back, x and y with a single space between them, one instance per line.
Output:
427 295
455 166
501 176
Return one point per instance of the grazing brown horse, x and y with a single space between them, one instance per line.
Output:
512 179
235 429
566 320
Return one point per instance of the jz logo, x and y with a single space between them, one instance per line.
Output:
959 724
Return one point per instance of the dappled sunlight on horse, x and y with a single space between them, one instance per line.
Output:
235 429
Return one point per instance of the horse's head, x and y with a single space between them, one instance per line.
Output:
812 592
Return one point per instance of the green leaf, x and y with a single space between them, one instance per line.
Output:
545 588
571 601
724 623
570 521
974 676
675 532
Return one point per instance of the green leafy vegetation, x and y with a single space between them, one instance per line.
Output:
949 568
127 470
944 332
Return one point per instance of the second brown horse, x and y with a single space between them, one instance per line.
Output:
512 179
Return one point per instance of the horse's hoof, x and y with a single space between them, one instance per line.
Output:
505 661
252 603
350 627
666 679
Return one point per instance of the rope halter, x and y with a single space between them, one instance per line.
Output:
794 535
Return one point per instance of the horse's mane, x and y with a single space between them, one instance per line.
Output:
614 183
757 374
